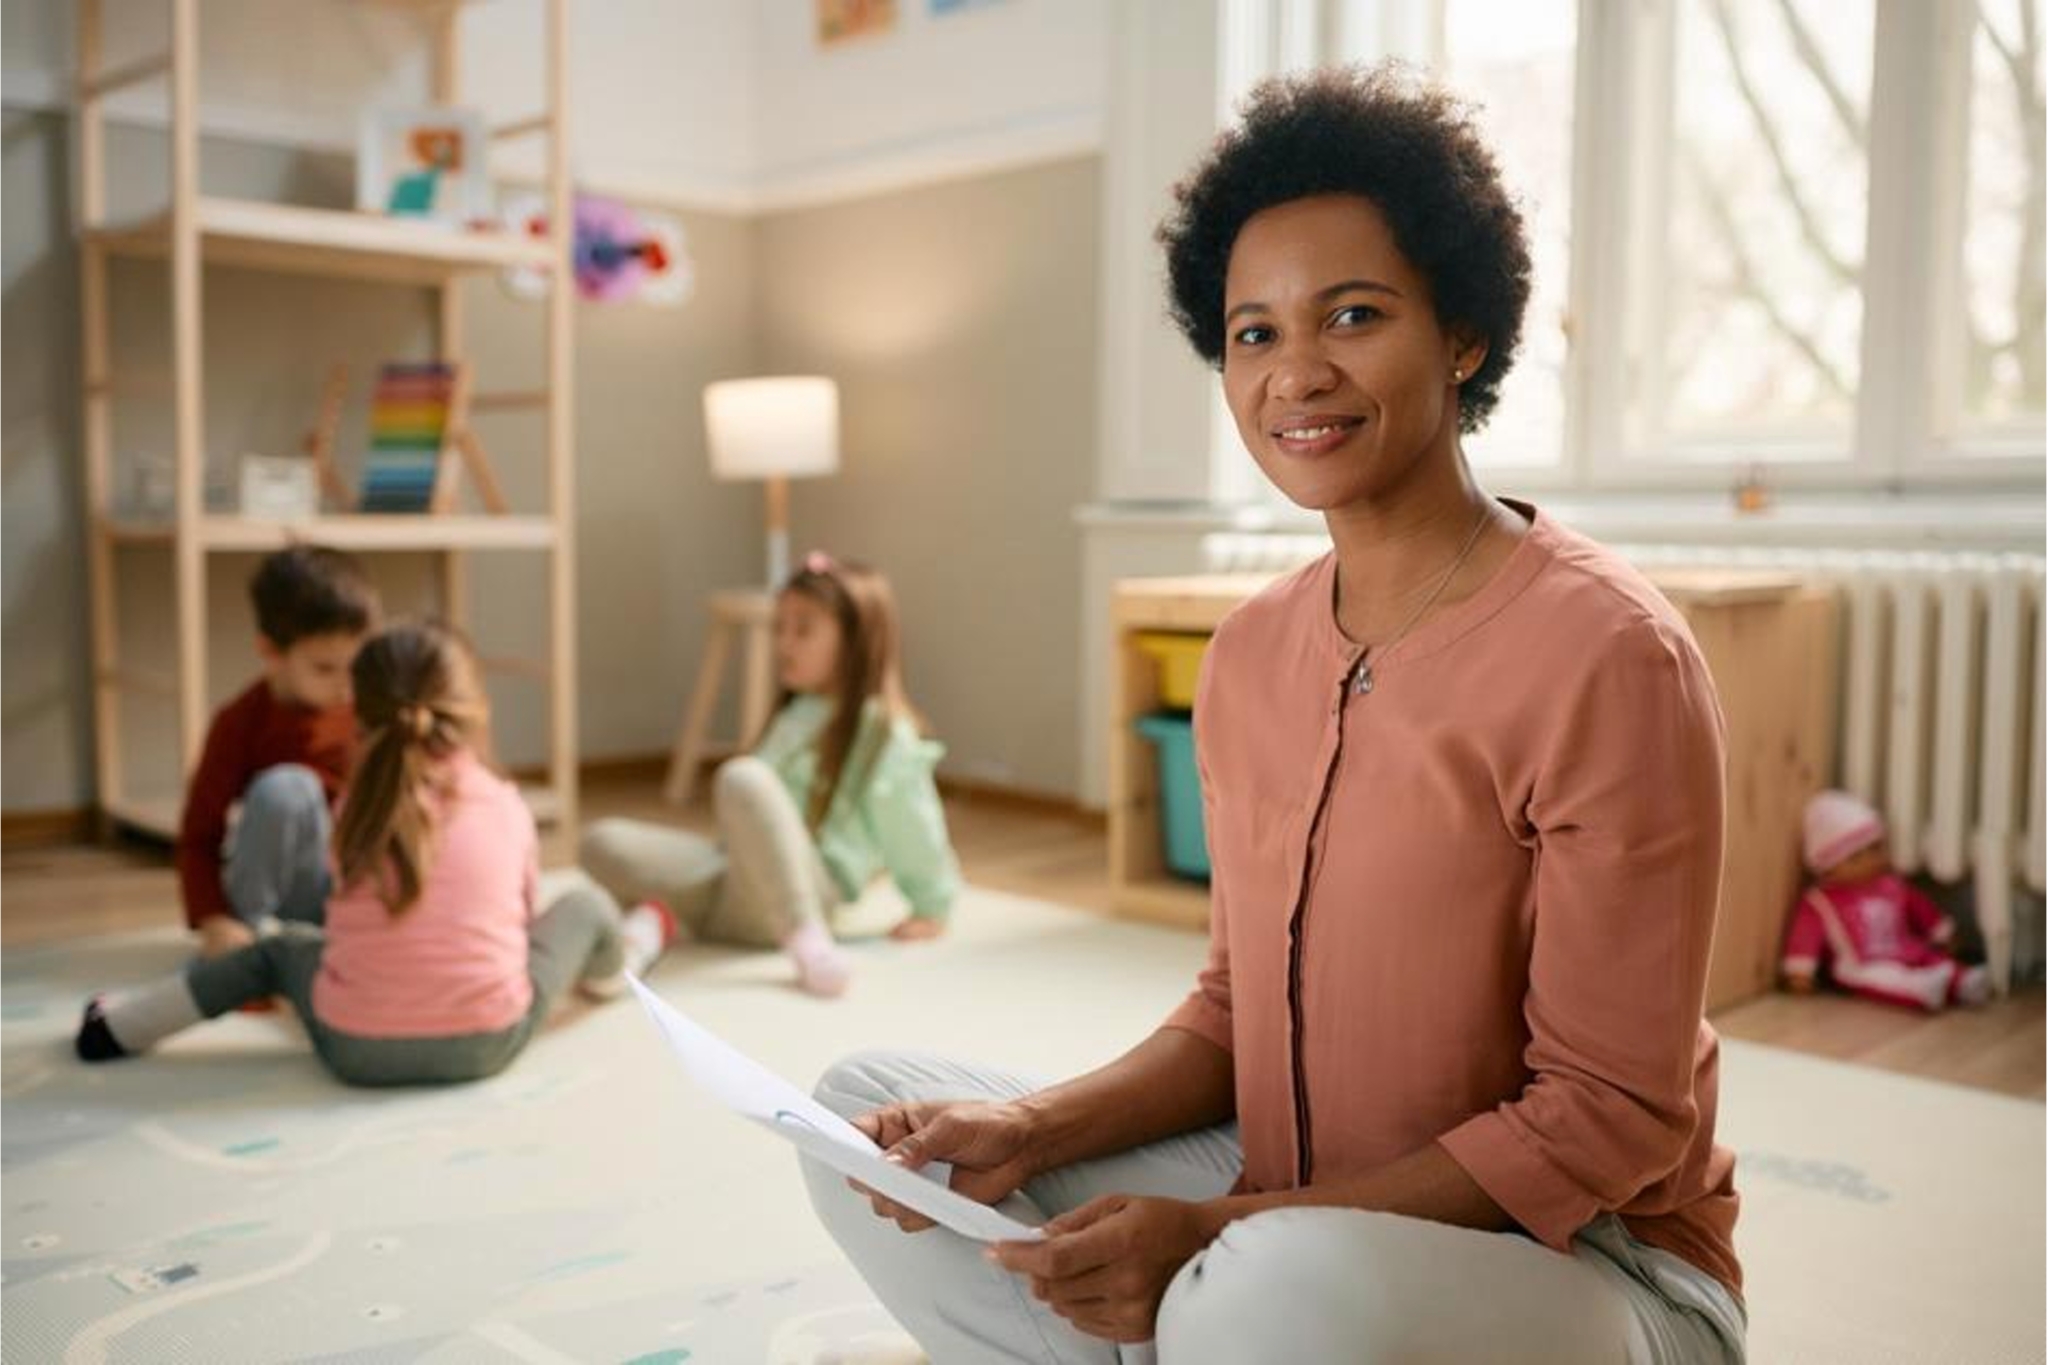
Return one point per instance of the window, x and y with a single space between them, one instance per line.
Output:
1756 298
1517 62
1996 384
1806 234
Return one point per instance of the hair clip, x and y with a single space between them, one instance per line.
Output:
817 561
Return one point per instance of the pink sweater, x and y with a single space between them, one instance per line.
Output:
1473 906
455 962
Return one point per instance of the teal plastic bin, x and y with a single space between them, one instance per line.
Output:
1180 794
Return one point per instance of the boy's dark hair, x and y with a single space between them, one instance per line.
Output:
307 590
1384 134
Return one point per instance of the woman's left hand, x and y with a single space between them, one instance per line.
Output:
1105 1266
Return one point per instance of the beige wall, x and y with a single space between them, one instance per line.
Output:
960 320
653 530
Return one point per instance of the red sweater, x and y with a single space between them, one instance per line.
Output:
253 732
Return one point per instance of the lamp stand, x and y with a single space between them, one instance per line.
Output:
778 532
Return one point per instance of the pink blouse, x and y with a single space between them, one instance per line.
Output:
1473 906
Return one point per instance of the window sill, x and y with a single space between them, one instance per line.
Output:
1918 521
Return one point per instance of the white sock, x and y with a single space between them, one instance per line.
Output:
143 1016
821 968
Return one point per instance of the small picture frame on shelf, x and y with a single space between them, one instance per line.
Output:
424 162
279 488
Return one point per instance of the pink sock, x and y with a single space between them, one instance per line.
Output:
820 966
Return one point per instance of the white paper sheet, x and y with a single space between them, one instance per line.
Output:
756 1093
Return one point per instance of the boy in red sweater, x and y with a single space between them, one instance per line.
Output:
281 749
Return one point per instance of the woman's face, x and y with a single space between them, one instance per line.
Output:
1334 364
806 644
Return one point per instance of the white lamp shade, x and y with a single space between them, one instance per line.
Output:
786 427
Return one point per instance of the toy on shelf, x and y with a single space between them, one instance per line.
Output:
622 255
1874 932
420 442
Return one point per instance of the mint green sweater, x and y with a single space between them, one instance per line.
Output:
893 823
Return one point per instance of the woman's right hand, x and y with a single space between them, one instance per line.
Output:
990 1146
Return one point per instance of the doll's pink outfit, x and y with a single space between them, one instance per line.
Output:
1881 938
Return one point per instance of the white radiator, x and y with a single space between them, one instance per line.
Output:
1942 683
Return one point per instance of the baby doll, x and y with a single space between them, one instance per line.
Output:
1874 932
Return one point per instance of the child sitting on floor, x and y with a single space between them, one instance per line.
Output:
281 749
837 792
432 966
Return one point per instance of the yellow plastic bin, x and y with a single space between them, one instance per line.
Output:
1179 657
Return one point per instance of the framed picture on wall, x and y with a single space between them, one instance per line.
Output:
839 20
424 163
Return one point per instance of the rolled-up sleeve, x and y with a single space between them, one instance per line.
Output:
1626 809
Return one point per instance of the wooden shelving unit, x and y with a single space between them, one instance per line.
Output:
196 230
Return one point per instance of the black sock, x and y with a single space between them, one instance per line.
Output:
96 1042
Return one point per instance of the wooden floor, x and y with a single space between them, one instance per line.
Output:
75 890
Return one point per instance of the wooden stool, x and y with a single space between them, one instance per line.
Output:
753 611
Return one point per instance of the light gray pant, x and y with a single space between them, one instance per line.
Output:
1297 1284
752 888
576 939
276 856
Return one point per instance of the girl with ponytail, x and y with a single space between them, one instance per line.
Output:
432 966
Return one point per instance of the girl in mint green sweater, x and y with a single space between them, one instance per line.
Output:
837 792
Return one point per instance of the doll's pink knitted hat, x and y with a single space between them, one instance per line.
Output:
1837 825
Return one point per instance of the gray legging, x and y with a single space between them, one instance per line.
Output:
1296 1284
576 939
754 890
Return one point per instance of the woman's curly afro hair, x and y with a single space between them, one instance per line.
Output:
1384 134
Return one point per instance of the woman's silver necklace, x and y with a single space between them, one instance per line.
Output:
1361 676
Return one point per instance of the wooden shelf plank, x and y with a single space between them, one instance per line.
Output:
389 531
156 816
331 242
1190 604
351 531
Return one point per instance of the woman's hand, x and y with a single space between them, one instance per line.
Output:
1105 1266
914 930
990 1147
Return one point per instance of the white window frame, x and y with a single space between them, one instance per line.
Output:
1622 123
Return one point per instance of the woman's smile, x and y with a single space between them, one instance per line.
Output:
1309 436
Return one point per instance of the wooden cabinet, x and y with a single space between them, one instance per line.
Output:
1771 643
1768 639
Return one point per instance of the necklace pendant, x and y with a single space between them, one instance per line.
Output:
1361 680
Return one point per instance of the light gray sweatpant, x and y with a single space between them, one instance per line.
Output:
752 887
274 865
1290 1285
